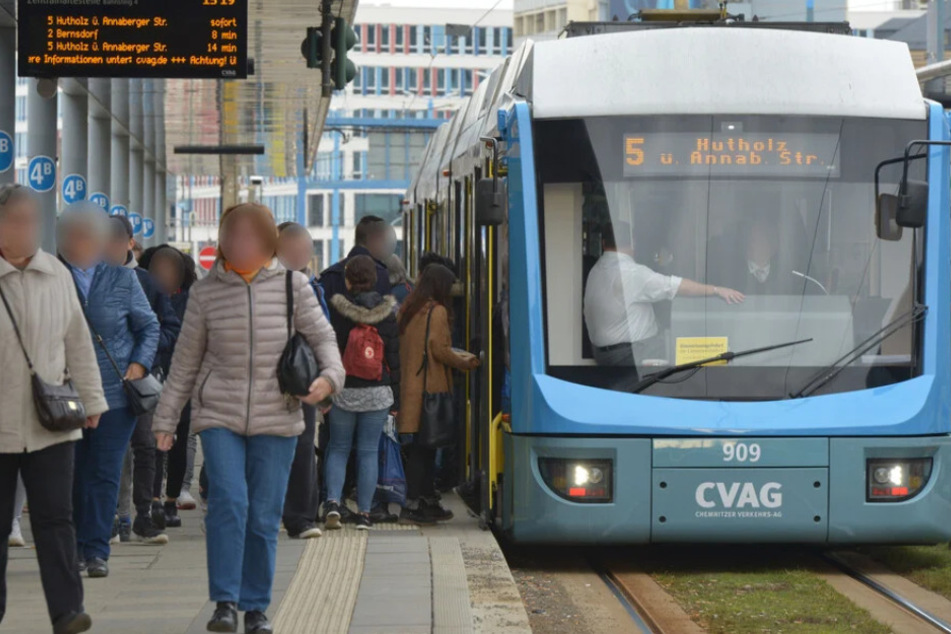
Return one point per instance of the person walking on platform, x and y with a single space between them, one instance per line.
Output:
369 340
124 328
371 237
426 343
295 249
169 268
226 361
138 469
40 302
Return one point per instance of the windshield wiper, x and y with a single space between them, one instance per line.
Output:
651 379
827 374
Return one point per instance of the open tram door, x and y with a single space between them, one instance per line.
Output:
485 209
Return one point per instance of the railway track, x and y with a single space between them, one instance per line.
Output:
928 621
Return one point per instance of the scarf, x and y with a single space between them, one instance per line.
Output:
246 274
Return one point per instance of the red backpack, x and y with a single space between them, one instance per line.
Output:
363 356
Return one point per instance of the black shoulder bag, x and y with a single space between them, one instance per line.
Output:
436 429
297 369
58 407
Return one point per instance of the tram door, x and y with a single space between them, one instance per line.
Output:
482 272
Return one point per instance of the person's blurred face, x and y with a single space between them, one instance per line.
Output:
117 250
19 228
167 275
81 246
759 250
378 247
244 249
295 252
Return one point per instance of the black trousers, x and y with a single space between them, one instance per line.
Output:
303 492
420 468
175 460
48 477
143 464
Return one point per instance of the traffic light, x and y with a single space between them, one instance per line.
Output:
310 47
342 39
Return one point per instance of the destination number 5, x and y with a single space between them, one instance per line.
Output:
741 452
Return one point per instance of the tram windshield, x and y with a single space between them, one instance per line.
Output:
671 239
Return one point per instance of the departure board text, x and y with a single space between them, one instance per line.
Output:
133 38
803 155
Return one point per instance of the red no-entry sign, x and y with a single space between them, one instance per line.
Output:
206 257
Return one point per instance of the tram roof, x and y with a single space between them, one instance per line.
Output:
704 70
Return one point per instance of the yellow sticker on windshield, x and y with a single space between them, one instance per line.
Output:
691 349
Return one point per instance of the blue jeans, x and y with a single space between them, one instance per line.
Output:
99 457
244 513
368 427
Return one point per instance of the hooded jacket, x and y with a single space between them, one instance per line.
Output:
227 354
380 312
44 303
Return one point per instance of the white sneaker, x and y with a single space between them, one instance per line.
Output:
310 533
185 501
16 536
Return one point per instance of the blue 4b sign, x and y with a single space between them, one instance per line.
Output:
136 220
41 174
100 199
119 210
74 188
6 151
148 228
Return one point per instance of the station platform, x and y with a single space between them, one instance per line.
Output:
451 579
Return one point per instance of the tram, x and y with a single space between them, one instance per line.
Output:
801 167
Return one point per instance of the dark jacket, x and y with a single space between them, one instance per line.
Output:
401 291
117 310
170 323
333 282
178 302
377 311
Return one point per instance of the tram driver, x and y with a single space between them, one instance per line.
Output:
619 298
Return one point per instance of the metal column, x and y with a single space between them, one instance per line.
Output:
120 143
8 101
99 154
41 151
161 169
73 159
148 142
136 150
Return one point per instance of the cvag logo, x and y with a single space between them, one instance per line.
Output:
739 495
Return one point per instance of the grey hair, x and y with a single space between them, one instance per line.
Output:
13 193
397 271
83 214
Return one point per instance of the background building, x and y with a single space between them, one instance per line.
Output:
415 66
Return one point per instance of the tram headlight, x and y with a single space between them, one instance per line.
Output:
896 480
578 480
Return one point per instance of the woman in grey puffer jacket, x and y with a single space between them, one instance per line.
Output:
226 362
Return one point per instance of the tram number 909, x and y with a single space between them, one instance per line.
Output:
741 452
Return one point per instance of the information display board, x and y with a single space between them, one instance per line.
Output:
190 39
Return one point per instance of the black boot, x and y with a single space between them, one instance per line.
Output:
72 623
172 520
225 618
158 515
255 622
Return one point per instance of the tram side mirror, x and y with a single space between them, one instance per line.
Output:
491 201
896 211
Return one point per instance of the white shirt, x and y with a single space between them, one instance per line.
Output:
618 299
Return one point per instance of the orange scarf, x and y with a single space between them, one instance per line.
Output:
246 274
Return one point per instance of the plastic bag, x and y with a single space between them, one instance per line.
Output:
391 483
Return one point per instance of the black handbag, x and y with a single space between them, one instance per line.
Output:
58 407
436 429
142 394
297 369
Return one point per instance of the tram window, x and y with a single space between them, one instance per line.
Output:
626 205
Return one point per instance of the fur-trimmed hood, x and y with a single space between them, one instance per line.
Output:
366 308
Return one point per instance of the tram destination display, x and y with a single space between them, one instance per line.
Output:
191 39
791 154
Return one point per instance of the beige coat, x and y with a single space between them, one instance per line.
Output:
441 358
44 303
226 357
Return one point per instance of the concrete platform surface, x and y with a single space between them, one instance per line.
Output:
447 579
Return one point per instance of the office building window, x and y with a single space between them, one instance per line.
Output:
481 39
386 206
371 36
318 260
385 36
441 80
399 36
385 79
357 165
427 39
413 37
427 75
413 80
371 77
467 82
315 210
